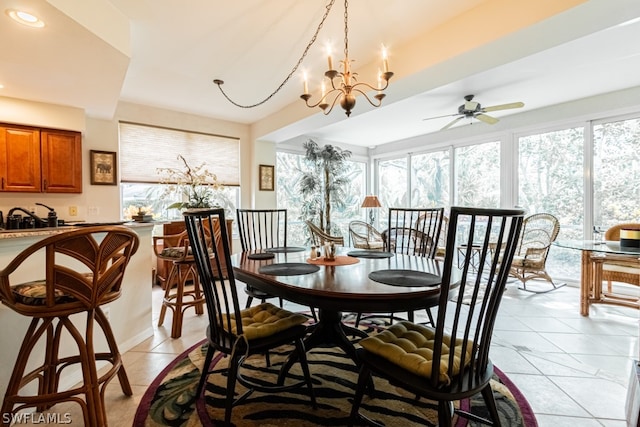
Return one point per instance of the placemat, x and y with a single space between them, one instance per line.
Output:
284 249
370 254
405 278
261 255
288 269
338 260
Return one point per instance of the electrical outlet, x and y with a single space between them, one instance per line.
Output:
73 211
93 211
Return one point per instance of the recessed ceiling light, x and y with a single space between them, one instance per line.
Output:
25 18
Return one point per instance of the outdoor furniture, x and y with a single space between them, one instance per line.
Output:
365 236
539 231
237 333
449 361
102 254
261 229
319 237
178 295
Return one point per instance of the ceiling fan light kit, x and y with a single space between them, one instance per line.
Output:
474 110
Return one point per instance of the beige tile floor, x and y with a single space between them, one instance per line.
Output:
573 370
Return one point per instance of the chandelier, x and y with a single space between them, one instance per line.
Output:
344 84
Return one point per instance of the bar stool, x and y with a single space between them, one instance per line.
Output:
177 297
101 254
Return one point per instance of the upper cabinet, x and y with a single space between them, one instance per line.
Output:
36 160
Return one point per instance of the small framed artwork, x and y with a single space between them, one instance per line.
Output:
266 178
104 168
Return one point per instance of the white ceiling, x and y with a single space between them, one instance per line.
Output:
165 54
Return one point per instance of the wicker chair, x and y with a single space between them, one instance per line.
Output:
539 231
319 237
620 268
100 256
449 361
364 236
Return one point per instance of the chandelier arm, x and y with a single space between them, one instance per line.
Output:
378 97
324 98
219 82
325 111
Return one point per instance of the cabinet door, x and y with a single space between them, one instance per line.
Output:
61 161
20 159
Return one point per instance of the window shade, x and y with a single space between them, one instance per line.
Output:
144 149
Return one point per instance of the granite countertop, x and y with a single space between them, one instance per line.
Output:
49 231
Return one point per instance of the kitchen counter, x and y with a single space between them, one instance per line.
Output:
49 231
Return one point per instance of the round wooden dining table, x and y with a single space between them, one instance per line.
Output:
342 285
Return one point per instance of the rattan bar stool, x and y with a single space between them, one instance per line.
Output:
101 255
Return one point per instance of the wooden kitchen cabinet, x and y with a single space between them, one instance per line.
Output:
34 160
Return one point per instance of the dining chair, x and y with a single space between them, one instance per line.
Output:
538 233
450 360
261 229
365 236
100 257
234 332
412 231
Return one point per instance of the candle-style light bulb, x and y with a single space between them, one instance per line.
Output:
385 59
329 59
306 84
379 81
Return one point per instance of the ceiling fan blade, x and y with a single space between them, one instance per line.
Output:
453 122
487 119
439 117
503 106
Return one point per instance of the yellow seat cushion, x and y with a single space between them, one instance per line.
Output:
410 346
266 319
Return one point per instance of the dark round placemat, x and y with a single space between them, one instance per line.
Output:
288 269
370 254
284 249
261 255
405 278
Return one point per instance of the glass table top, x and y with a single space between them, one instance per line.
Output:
612 247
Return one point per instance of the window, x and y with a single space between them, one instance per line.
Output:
392 184
145 149
616 172
550 175
477 174
288 171
430 179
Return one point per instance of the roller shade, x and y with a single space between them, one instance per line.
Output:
144 149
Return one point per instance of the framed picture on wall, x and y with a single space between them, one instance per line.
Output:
266 178
104 168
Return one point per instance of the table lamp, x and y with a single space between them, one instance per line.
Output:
371 202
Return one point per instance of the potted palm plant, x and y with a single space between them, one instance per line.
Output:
323 183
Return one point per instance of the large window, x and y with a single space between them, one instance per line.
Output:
550 175
430 179
289 169
145 150
477 173
392 184
616 172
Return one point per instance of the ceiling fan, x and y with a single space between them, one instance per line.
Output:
473 109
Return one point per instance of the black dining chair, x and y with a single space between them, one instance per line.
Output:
239 334
261 229
412 231
449 361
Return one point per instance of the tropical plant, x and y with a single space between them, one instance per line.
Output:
323 183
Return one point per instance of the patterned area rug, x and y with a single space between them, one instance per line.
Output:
170 400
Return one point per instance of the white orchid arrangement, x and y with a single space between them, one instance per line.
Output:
196 186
